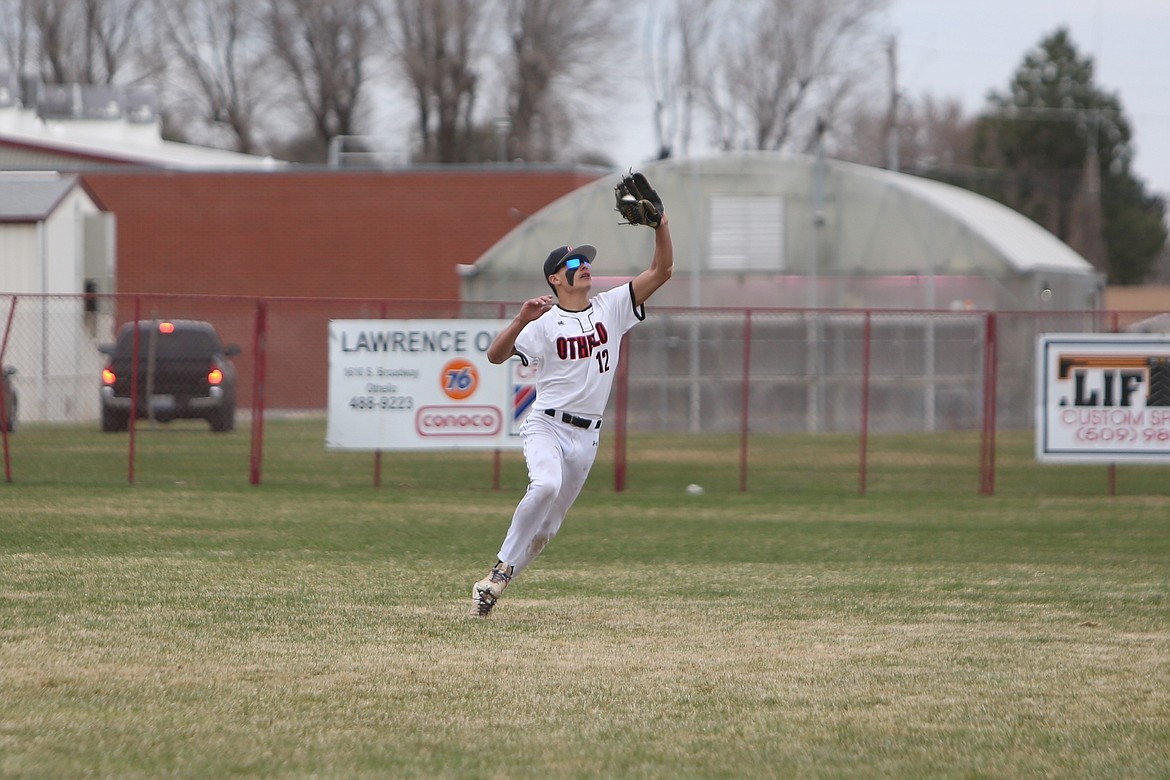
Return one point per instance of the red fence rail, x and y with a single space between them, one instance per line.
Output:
5 412
750 373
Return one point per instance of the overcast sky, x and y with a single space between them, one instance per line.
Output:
965 48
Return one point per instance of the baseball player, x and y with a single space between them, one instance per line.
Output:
572 338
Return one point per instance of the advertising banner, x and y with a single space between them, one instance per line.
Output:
421 384
1103 398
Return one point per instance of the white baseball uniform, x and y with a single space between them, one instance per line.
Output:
575 354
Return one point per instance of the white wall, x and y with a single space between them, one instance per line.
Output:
52 344
64 233
19 269
59 240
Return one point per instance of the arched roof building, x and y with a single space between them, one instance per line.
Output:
765 229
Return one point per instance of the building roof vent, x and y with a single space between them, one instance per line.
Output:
59 101
100 101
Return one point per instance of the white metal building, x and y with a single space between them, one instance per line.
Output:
765 229
77 126
54 239
53 235
799 246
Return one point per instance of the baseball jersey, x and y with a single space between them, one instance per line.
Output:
576 353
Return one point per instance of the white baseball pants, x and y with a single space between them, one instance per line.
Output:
559 458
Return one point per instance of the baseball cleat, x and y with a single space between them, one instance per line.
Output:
485 592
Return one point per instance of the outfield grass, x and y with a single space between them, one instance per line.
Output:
184 454
195 626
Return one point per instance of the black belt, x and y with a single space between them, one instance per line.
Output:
572 419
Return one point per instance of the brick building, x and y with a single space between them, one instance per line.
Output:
316 233
363 239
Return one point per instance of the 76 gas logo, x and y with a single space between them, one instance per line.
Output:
459 379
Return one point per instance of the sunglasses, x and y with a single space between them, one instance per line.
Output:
573 263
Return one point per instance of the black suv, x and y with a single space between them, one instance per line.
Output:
183 373
10 399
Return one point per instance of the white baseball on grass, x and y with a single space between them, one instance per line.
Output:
695 490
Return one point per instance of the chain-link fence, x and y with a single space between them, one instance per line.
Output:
894 390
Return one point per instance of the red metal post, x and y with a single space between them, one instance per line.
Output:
4 410
863 446
497 456
135 350
1115 327
378 452
745 400
259 372
620 421
990 383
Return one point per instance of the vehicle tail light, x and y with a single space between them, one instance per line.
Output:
108 376
214 376
166 327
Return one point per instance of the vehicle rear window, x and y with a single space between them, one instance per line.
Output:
181 343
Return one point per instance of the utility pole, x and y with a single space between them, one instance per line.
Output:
818 212
893 136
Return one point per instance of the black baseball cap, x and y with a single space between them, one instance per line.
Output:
561 254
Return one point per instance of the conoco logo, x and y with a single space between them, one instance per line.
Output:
458 421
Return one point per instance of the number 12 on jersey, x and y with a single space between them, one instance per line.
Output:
602 358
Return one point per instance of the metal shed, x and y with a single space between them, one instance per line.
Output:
56 243
764 229
802 250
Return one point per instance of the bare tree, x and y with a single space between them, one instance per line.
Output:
16 35
554 50
115 25
934 137
784 65
55 26
679 53
212 55
940 136
84 41
435 45
324 44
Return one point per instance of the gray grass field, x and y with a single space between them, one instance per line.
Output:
195 626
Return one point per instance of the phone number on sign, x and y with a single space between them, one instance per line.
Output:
384 402
1094 434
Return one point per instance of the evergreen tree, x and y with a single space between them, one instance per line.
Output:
1046 135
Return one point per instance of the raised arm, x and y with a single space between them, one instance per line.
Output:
661 265
503 346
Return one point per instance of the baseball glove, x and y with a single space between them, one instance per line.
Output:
637 201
